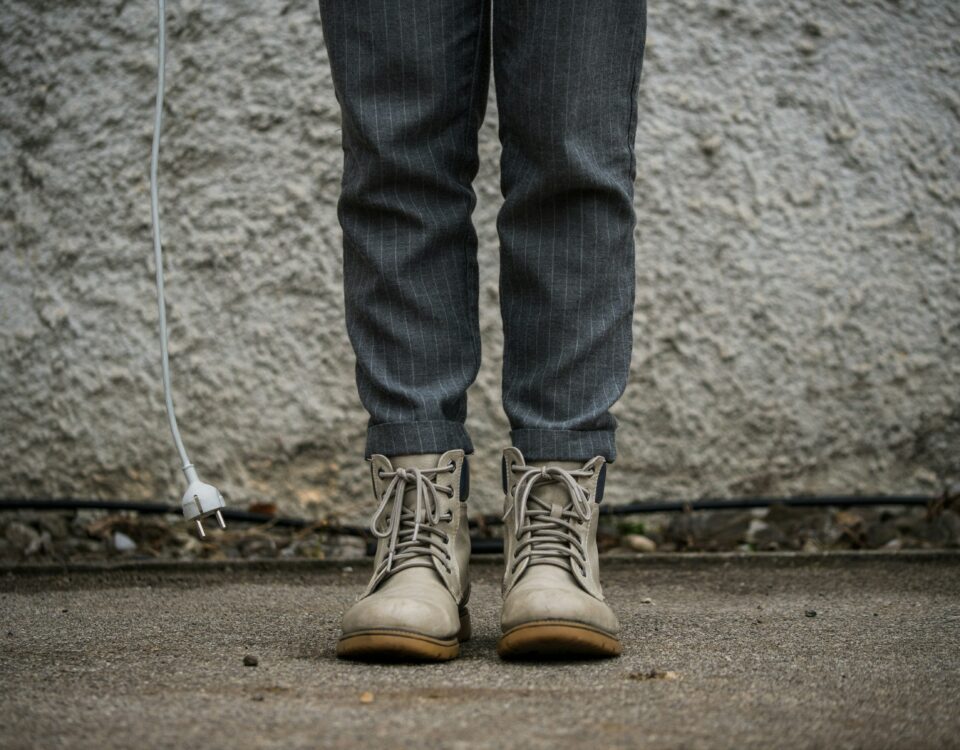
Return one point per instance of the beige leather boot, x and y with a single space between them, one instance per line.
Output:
553 604
415 604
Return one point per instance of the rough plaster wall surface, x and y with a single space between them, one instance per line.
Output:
797 321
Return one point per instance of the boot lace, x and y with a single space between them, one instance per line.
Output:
546 533
413 538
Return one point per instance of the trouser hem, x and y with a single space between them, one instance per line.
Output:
402 438
565 445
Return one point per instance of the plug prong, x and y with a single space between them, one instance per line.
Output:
223 524
203 534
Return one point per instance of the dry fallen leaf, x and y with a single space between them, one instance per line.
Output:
366 697
846 518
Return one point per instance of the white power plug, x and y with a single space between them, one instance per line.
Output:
201 499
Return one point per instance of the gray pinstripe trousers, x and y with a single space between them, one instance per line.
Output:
411 78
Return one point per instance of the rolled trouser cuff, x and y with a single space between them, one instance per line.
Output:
564 445
404 438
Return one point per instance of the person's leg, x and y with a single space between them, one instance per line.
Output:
566 74
411 79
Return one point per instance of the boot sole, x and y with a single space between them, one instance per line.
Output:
399 645
557 639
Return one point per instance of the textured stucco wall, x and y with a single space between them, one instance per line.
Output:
798 286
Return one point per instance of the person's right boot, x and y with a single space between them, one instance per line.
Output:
414 607
552 601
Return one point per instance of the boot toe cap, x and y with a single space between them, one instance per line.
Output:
526 604
424 615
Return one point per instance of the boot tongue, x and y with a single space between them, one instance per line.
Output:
557 495
554 493
419 575
414 461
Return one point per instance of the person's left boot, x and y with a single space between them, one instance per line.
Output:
553 604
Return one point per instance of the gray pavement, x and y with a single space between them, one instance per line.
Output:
152 656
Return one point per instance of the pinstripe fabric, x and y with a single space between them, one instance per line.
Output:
411 77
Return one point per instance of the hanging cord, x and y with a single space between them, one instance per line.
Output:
201 500
157 243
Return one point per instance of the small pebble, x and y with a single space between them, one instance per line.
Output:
646 600
366 697
123 543
640 543
811 613
250 660
654 674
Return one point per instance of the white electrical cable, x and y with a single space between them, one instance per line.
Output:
201 499
157 245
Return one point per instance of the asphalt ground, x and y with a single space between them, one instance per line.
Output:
791 651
